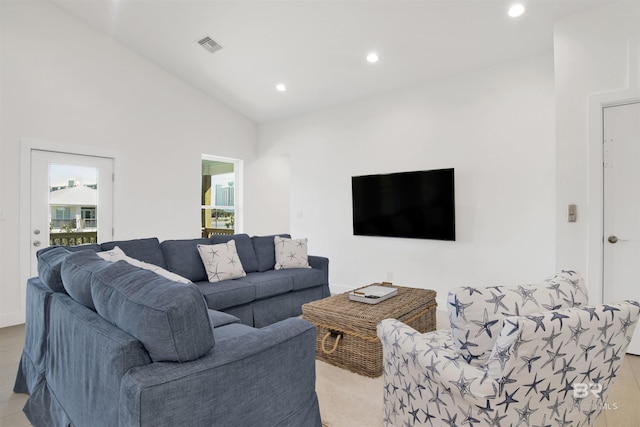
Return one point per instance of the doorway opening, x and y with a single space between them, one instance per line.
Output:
595 226
69 202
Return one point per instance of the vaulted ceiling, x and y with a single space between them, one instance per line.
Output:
318 48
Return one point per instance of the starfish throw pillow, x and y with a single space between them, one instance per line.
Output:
291 253
221 261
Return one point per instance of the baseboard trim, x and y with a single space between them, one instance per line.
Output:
11 319
336 289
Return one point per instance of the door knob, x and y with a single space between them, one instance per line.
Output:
612 239
36 243
36 232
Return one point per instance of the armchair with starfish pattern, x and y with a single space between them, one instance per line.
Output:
529 355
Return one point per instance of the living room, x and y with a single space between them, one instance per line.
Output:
520 135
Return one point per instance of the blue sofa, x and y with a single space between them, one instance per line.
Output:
112 344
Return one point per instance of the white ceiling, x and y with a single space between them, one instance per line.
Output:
318 48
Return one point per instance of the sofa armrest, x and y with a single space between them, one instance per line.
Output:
321 263
86 361
31 369
263 377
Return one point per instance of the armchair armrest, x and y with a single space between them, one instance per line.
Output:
270 370
430 360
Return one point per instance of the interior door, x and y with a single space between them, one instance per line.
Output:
71 200
621 266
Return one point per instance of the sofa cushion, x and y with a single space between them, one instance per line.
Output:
231 331
183 258
49 267
52 257
85 247
77 270
265 250
117 254
228 293
221 261
147 250
219 318
243 246
290 253
270 283
169 318
476 313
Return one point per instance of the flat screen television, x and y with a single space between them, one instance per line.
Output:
416 205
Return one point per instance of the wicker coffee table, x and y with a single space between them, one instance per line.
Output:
346 330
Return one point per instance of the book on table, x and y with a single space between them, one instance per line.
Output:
372 294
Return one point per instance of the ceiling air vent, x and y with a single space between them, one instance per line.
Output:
209 44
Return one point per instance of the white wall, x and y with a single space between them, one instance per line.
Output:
67 85
266 197
494 126
503 129
597 57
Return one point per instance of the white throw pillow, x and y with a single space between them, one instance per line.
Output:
221 261
291 253
117 254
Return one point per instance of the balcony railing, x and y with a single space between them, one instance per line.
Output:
73 238
72 223
62 223
208 232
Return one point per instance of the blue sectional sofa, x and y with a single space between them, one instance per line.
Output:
113 344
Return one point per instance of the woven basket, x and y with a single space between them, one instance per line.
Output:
346 330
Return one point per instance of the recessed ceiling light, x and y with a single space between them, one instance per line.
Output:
372 57
280 87
516 10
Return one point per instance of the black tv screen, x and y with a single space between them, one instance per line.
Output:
417 205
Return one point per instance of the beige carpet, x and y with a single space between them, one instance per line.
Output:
348 399
351 400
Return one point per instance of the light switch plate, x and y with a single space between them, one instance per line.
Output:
573 213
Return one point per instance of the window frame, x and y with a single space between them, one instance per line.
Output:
237 190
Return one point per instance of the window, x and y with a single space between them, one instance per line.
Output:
220 195
61 218
73 198
88 216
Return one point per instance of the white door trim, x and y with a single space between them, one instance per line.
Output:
595 191
26 146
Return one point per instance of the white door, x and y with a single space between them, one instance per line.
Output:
71 200
621 268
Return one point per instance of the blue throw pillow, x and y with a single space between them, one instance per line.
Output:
77 269
265 250
244 247
49 266
147 250
183 258
169 318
